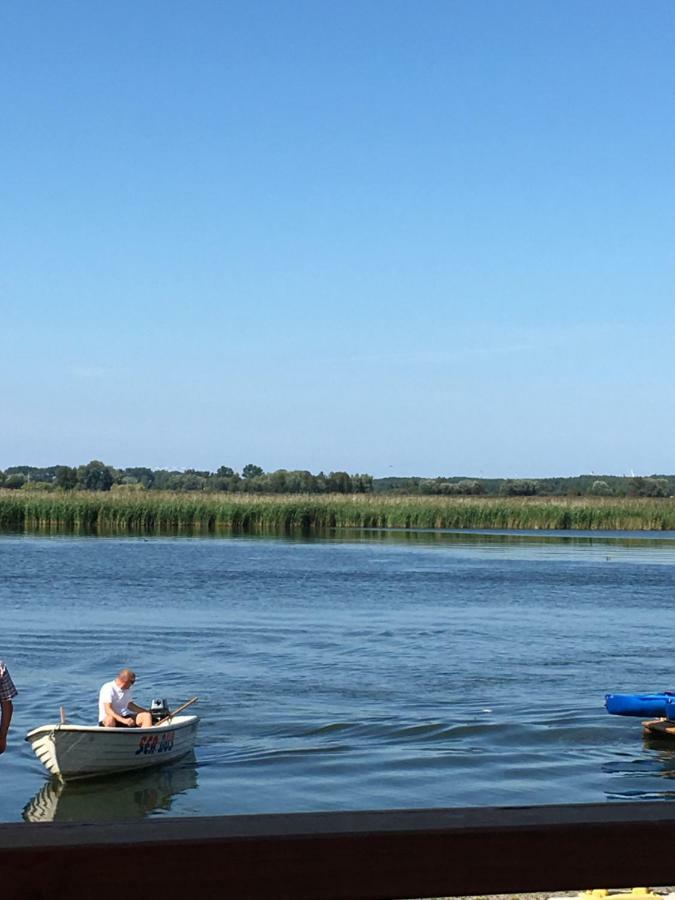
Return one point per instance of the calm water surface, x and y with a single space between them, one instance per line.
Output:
377 671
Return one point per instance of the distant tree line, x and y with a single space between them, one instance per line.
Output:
97 476
577 486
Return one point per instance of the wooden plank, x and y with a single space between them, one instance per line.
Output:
340 855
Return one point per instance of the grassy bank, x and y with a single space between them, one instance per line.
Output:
171 513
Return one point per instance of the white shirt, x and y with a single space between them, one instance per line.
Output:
113 694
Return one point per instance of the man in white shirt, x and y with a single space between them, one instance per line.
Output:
116 709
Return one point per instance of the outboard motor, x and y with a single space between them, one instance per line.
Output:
159 710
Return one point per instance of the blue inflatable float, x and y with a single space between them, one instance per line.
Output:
661 704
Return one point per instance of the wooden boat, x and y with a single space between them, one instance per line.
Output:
663 728
86 751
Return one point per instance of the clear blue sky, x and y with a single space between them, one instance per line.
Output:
392 237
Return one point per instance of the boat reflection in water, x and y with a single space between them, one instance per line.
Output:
663 748
125 796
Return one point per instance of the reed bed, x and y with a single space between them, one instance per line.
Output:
194 513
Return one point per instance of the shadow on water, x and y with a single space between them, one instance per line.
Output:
132 795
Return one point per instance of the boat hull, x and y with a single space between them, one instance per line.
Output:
87 751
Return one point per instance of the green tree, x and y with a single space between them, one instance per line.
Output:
65 477
648 487
220 482
339 483
277 482
301 481
193 481
95 476
470 486
518 487
362 484
250 471
140 474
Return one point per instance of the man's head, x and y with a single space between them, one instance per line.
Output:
125 679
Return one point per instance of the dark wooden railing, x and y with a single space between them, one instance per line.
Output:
338 855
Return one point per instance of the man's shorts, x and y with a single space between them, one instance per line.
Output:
7 689
121 724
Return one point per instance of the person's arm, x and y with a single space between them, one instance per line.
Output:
123 720
7 709
134 707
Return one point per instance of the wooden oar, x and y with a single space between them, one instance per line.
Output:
176 711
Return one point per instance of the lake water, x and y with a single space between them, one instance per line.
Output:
370 671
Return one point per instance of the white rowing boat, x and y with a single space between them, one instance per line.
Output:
85 751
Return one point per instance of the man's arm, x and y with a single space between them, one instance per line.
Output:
134 707
7 709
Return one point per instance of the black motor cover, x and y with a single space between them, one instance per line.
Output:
158 710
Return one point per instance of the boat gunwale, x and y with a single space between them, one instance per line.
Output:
177 722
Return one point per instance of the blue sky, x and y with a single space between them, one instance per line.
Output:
391 237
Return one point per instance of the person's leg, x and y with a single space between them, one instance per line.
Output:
7 709
143 720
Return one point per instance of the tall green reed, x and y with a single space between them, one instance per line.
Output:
173 513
